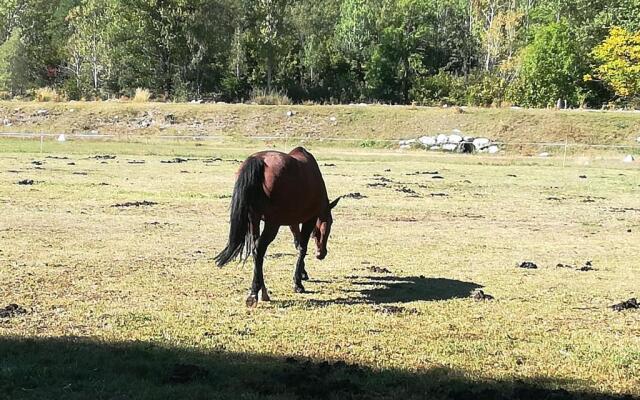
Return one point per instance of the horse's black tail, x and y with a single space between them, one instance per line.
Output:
248 195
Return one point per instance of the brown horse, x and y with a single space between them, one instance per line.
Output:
281 190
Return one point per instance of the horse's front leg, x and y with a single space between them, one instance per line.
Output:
268 234
295 230
300 273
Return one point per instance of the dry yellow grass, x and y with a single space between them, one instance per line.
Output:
141 96
139 286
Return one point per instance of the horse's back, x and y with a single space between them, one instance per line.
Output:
298 158
294 185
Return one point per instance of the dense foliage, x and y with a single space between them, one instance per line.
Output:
476 52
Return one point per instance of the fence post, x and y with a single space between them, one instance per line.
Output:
564 158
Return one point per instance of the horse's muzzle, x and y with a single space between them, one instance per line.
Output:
321 255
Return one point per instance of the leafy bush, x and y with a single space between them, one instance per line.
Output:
72 90
442 88
485 89
234 89
619 59
477 89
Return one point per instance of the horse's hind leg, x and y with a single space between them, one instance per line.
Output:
305 233
268 234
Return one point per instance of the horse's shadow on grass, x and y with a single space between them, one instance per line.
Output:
77 368
393 289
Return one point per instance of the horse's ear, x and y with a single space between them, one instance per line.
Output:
334 203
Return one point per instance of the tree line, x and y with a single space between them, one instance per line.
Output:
465 52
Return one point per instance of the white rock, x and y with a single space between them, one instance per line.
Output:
480 143
290 113
332 119
457 132
405 146
629 159
62 138
42 112
427 140
449 147
468 138
455 138
638 139
411 141
544 154
94 132
434 148
440 139
493 149
6 122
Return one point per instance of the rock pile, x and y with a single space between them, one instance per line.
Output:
454 142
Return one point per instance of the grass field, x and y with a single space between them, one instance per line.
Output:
125 302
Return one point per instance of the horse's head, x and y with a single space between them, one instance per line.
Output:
323 229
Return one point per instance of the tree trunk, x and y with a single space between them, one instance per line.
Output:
405 80
269 70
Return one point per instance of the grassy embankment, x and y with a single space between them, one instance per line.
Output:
366 123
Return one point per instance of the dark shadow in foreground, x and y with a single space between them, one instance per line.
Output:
71 368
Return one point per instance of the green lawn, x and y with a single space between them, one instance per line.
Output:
126 303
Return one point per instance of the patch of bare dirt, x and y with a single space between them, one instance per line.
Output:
626 305
135 204
11 311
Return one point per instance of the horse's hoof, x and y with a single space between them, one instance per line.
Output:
304 276
264 295
252 301
298 288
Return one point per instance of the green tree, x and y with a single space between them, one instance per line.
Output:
267 34
10 15
87 46
356 35
314 23
175 48
405 41
551 68
13 65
